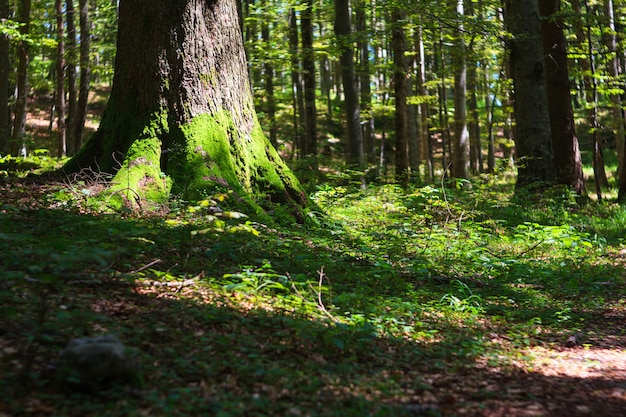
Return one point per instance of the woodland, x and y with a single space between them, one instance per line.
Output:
312 208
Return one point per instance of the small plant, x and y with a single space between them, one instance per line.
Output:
461 299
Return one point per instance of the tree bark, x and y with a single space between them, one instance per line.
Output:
398 42
355 155
268 72
5 68
460 145
567 159
180 116
85 75
296 83
73 145
365 76
60 80
535 161
309 148
17 143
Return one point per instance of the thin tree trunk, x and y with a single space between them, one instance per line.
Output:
5 68
268 72
309 149
583 36
364 80
296 82
85 75
72 94
614 72
567 159
355 155
425 152
399 80
17 143
461 144
60 81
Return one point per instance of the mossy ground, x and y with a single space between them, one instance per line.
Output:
387 302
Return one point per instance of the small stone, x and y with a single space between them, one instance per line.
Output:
90 362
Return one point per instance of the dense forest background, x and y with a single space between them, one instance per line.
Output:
422 88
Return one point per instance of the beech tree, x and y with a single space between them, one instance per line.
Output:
535 162
180 115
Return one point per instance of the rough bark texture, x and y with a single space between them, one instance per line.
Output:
535 162
355 155
181 109
567 159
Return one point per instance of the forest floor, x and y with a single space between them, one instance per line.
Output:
429 301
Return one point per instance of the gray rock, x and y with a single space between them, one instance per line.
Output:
95 361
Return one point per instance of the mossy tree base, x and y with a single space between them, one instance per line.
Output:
180 119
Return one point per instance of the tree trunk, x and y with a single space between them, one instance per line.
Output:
355 155
85 75
461 145
567 159
73 145
268 72
309 148
533 140
181 114
425 154
364 81
296 83
60 80
615 83
17 143
5 68
398 42
583 36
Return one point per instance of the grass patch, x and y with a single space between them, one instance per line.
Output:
385 302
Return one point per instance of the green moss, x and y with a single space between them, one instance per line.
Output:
140 175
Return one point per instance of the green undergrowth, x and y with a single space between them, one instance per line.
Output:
355 312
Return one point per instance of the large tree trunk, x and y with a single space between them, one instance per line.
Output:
567 159
181 112
533 141
5 67
355 155
73 145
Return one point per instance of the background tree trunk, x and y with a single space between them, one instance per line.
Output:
181 110
399 79
461 145
355 155
17 143
567 159
533 140
72 61
85 75
60 80
309 148
5 68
